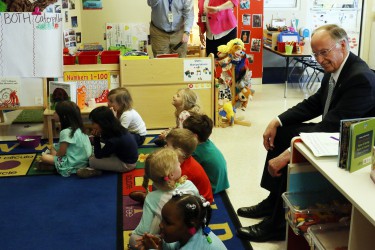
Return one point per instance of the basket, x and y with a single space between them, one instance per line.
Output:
88 57
306 208
110 57
29 141
69 60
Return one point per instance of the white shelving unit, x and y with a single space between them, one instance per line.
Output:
357 187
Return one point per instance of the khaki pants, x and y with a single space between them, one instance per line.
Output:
163 43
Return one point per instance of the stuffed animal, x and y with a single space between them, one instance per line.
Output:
236 50
227 111
243 97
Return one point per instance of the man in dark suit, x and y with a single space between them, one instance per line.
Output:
352 96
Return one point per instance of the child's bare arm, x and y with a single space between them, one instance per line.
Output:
149 241
62 149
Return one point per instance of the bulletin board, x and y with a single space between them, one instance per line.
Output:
347 18
250 30
152 92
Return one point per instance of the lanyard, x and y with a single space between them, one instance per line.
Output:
170 5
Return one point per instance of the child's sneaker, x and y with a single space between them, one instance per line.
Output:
88 172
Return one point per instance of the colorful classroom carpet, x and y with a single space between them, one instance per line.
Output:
223 223
16 160
41 212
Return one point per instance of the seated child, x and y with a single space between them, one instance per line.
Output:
206 153
185 102
73 150
121 102
120 151
163 168
184 225
185 141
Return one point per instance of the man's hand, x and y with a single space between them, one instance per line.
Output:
277 163
185 38
269 134
203 39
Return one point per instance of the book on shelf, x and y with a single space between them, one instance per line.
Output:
344 140
61 91
361 145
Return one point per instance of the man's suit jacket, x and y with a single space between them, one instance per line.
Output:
353 97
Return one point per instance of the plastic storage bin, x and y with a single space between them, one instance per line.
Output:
69 60
28 141
330 236
88 57
306 209
110 57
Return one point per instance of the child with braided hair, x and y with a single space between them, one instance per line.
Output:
163 168
184 225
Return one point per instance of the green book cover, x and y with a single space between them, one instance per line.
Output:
344 140
361 145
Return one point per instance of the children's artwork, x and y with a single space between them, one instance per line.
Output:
197 70
245 36
65 4
257 20
9 93
72 4
30 44
92 4
255 44
78 37
74 21
95 82
245 4
69 38
66 14
128 35
246 19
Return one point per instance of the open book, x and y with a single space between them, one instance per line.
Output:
322 144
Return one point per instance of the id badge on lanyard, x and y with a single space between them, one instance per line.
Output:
170 14
204 18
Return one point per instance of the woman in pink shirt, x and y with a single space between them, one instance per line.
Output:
217 20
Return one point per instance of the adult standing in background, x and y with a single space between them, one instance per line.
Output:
347 91
217 20
171 23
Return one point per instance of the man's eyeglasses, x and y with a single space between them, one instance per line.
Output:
324 53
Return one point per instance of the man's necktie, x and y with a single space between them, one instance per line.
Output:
331 86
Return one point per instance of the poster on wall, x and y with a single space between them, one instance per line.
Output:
92 4
197 70
30 44
132 35
9 92
96 83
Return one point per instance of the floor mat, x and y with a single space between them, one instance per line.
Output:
224 220
29 116
53 212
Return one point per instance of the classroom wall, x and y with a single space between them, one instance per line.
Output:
122 11
115 11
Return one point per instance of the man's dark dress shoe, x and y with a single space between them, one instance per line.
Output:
262 232
264 208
